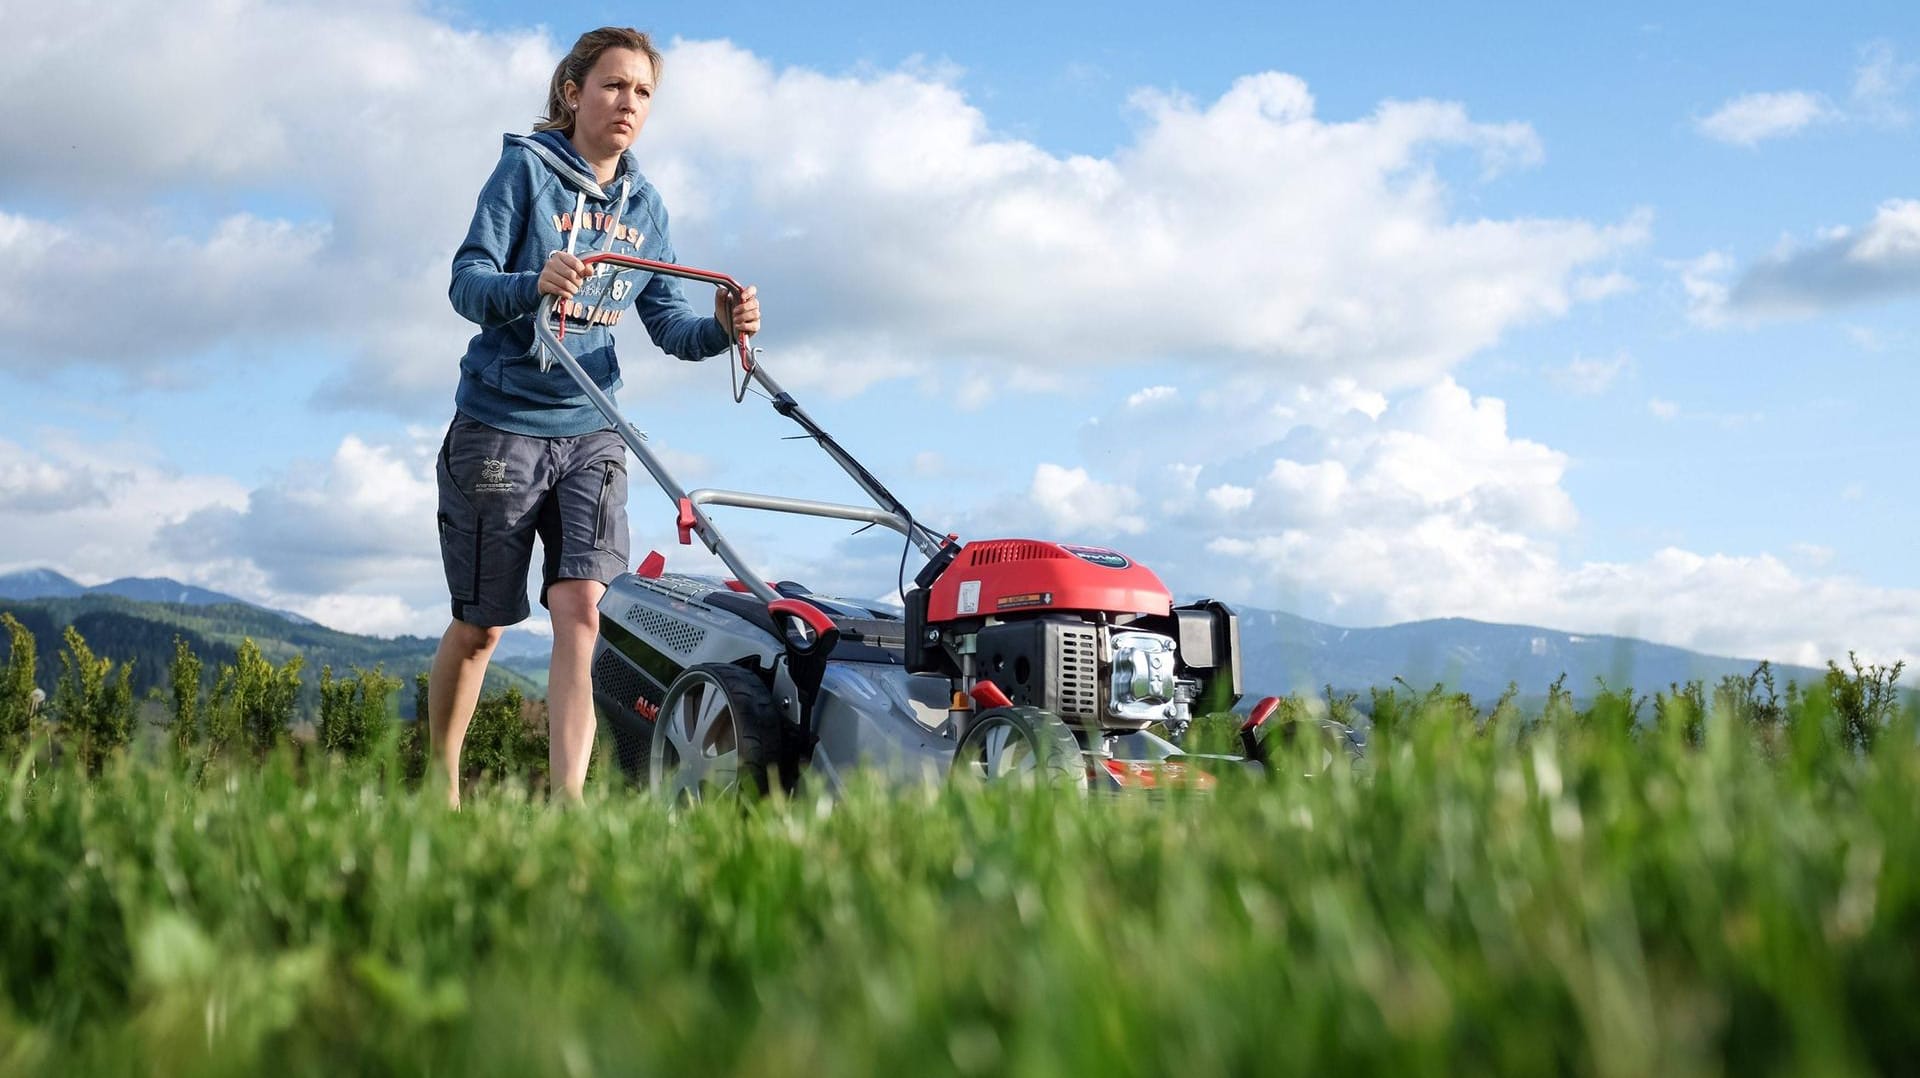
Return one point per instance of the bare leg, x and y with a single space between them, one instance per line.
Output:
459 668
574 605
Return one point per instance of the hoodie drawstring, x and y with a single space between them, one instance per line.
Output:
573 236
619 212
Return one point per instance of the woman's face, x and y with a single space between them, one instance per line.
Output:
612 106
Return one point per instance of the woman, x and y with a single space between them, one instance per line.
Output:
527 453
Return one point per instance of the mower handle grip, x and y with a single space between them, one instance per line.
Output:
669 269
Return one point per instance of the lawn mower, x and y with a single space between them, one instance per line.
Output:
1011 659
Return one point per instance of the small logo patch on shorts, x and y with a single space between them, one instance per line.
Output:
493 478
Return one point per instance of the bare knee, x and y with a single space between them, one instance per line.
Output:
575 605
470 640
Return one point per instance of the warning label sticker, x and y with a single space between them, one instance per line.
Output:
969 602
1035 598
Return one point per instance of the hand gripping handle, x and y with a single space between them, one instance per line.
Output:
551 336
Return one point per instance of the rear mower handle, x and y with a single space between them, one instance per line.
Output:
720 280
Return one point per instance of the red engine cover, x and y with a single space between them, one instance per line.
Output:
1006 577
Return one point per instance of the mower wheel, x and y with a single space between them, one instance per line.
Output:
1022 745
718 734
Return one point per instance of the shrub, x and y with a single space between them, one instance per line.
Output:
1864 700
354 712
507 737
93 702
183 674
253 701
17 704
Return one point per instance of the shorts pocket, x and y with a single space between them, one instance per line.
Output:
460 551
610 523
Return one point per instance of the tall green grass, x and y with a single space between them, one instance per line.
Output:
1608 892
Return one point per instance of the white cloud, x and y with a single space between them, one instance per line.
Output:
1866 339
1309 492
1663 409
370 118
1880 83
1152 394
1749 606
1229 498
1750 119
1892 238
1317 404
1354 259
1434 508
93 510
1592 289
857 202
1590 377
1704 280
1813 554
1075 503
30 483
143 292
1877 96
1843 267
328 527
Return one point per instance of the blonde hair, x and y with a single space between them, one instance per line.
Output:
574 68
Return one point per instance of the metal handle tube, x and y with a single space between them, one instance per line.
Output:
891 514
774 503
636 441
755 371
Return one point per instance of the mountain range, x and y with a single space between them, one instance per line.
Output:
1280 652
48 584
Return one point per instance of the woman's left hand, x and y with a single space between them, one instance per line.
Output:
742 316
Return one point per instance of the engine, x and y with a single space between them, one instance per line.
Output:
1083 632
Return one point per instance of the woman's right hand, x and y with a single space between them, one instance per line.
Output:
563 275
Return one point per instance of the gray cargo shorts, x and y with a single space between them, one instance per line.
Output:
498 490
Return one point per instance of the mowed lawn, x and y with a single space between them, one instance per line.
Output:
1574 895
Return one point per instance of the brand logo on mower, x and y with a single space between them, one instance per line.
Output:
493 478
1105 558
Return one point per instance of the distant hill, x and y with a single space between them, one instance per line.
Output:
1284 653
143 633
48 584
38 584
1281 653
162 590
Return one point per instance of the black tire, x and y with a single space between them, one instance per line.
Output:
1021 745
729 717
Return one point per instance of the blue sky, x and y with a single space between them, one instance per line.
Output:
1603 319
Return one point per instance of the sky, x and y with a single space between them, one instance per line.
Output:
1603 320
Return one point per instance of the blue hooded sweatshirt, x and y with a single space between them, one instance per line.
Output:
541 194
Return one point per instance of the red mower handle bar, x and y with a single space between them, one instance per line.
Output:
669 269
